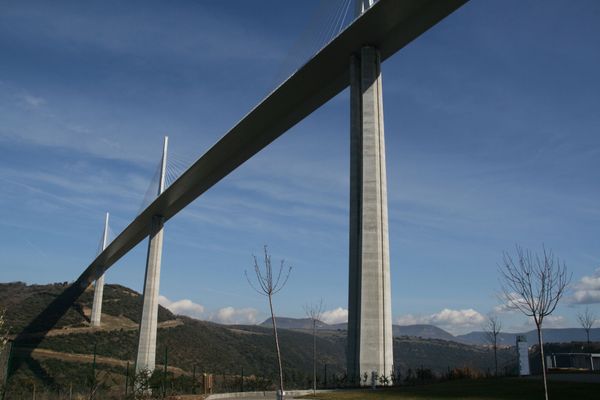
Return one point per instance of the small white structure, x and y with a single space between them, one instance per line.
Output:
523 353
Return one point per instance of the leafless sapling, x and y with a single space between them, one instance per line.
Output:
534 284
587 320
269 284
492 332
314 312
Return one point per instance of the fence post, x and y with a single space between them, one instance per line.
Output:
126 378
194 380
9 347
93 383
243 378
165 372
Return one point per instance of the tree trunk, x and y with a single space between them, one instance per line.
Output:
496 357
540 341
314 357
587 332
276 345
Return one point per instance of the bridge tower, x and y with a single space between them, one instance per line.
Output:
146 355
369 305
99 285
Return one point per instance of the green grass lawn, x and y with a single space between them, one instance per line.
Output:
479 389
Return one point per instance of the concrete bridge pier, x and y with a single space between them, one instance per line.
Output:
369 307
146 355
99 285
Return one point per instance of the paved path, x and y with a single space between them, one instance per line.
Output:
262 395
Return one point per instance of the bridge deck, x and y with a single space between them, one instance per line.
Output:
389 25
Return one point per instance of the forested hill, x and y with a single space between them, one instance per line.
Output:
190 344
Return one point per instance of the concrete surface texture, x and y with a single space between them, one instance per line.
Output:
146 355
369 305
99 285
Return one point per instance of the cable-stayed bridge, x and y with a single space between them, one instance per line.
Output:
352 58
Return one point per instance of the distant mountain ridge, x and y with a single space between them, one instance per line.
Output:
422 331
551 335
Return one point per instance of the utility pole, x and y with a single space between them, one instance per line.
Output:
165 372
194 380
126 378
242 382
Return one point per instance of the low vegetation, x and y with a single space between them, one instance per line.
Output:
474 389
238 357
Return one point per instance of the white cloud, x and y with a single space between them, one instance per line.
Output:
335 316
458 318
225 315
230 315
508 303
587 290
555 321
182 307
454 321
410 319
32 101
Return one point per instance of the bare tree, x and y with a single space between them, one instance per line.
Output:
534 284
587 320
314 312
270 284
492 331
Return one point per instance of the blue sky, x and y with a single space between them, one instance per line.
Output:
492 129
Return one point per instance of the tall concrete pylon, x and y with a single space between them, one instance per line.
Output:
146 355
369 305
99 285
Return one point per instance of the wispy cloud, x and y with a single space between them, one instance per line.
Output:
112 32
32 101
81 186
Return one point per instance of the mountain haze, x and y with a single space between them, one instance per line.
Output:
421 331
550 335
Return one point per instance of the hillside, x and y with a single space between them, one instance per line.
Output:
192 345
293 323
24 302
